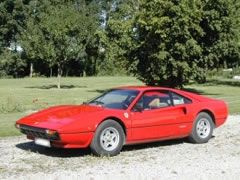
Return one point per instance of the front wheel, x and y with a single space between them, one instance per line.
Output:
108 139
202 128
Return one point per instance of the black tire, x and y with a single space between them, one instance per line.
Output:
196 136
97 145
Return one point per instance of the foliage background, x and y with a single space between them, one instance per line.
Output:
161 42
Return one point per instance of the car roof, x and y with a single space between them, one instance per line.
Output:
144 88
190 95
187 94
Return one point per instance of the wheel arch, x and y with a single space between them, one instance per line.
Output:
119 121
210 113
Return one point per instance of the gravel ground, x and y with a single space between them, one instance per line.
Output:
178 159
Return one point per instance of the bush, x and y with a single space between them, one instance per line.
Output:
223 73
10 106
11 64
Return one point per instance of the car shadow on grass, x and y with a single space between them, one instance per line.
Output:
229 82
66 153
53 86
98 90
200 92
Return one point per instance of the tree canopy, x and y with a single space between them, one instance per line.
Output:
178 41
161 42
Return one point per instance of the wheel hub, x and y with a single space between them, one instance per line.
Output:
109 139
203 128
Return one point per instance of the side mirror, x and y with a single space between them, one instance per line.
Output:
137 108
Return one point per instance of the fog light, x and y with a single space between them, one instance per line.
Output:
50 132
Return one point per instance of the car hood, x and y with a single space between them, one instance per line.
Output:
60 116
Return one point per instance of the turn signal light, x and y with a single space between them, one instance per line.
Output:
17 126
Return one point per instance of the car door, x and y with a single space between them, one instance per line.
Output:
154 116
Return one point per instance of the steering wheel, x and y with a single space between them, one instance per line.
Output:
127 102
125 105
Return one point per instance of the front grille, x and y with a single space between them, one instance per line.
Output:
37 132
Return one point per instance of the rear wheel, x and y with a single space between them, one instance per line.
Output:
202 128
108 139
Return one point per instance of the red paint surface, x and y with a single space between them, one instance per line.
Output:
76 124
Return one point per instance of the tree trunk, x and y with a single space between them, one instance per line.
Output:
225 66
94 66
31 70
50 72
108 11
59 76
67 70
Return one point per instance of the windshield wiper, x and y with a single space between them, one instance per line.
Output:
98 102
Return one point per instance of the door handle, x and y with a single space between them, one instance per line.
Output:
184 109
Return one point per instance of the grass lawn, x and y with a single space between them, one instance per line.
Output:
21 96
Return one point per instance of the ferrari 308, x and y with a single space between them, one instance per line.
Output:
126 115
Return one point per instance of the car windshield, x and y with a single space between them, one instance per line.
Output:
115 99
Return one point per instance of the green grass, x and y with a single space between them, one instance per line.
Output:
18 97
7 122
31 94
227 90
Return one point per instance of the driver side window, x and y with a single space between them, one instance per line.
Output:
154 100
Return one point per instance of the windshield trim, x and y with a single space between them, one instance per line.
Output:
101 104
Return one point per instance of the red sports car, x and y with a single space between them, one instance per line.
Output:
126 115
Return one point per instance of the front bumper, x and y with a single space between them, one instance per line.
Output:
38 133
60 140
76 140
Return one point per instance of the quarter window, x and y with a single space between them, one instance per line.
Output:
178 99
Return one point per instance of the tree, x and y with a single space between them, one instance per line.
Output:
31 36
179 41
167 34
59 32
12 19
67 30
11 63
115 36
13 15
221 26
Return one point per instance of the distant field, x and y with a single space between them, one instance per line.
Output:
21 96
